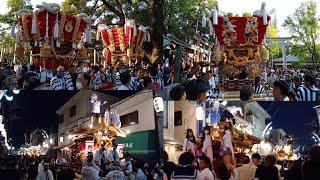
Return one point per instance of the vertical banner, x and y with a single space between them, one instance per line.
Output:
120 150
89 146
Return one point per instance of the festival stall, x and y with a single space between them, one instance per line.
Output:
50 36
240 45
123 44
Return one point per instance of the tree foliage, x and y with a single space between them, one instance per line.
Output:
274 51
183 17
14 6
303 26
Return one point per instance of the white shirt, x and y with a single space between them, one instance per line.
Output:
111 154
40 167
116 175
247 171
96 106
227 142
140 175
45 175
127 164
206 174
97 156
84 164
122 87
89 173
188 145
212 83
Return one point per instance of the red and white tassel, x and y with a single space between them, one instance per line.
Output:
13 30
47 26
215 17
56 27
34 25
148 36
204 21
98 35
18 34
135 30
211 28
125 28
88 35
58 44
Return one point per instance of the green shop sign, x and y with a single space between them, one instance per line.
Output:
142 146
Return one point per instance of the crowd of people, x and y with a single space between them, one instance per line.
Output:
84 76
100 164
215 160
282 85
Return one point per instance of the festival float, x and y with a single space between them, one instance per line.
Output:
52 37
89 139
123 44
239 45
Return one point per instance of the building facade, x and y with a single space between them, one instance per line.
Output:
75 114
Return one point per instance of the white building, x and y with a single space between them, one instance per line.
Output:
137 118
181 115
75 114
278 136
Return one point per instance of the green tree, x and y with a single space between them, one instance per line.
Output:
246 14
14 6
183 17
229 14
274 51
303 26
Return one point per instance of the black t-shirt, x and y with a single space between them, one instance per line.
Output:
267 173
67 174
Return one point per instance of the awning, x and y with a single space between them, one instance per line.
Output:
142 146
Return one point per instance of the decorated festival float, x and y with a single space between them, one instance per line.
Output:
123 45
239 47
100 131
52 37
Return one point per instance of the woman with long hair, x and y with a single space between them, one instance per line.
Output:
189 142
227 147
207 143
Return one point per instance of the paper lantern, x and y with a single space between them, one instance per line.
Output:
158 104
199 113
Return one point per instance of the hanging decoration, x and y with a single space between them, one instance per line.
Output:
52 34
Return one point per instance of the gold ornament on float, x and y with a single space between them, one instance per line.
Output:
46 51
82 54
20 52
68 27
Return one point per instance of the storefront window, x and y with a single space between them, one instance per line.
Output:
73 111
129 119
178 118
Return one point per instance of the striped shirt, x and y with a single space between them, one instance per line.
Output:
117 81
158 81
297 87
307 94
96 81
79 70
62 83
259 89
134 83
